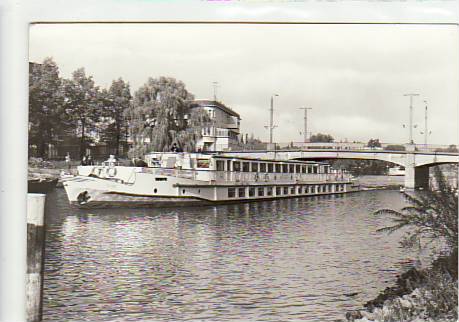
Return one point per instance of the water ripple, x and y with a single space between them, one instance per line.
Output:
268 261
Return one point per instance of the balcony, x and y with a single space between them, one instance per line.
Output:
208 139
232 126
212 132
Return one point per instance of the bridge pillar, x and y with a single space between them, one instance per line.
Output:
421 177
416 177
409 177
409 171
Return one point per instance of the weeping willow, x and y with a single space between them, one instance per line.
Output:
161 115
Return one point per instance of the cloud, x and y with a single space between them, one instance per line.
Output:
353 76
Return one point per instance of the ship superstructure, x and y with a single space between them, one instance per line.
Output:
174 179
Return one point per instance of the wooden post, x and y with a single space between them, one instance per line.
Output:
35 250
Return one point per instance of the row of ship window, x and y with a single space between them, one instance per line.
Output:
242 192
267 167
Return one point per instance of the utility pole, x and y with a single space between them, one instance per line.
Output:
305 134
426 133
215 85
411 116
271 120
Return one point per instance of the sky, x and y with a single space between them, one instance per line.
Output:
354 77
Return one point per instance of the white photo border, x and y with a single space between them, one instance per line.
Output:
15 18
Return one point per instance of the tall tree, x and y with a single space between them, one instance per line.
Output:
81 104
45 101
323 138
115 102
159 112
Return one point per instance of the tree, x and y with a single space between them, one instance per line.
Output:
45 101
374 143
253 141
395 147
324 138
361 167
81 105
431 215
159 112
113 122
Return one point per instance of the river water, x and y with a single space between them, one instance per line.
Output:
285 260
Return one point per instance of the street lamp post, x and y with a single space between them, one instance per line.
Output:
305 134
411 116
271 120
215 85
426 131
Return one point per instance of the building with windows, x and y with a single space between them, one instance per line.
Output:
223 133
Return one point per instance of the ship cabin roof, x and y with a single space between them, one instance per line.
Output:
209 161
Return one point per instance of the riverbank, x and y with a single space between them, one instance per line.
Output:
42 169
373 182
428 294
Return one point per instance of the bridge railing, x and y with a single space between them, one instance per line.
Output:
352 146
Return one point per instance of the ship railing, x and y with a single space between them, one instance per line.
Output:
251 177
248 177
179 173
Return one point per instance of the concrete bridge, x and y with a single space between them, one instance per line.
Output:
416 163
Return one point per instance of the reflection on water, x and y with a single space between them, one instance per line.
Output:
292 259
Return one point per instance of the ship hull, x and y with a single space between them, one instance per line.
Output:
127 201
90 192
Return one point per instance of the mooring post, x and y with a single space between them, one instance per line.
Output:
35 256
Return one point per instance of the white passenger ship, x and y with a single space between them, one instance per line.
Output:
178 179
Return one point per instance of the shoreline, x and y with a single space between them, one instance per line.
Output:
417 295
